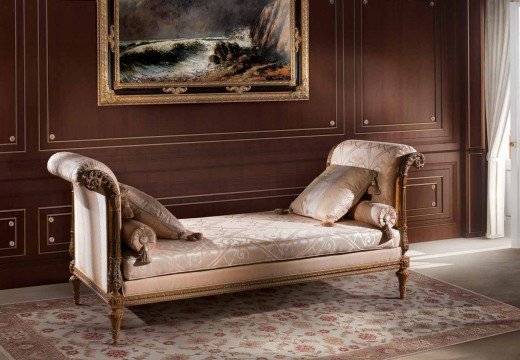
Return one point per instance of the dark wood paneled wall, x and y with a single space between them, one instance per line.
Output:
401 70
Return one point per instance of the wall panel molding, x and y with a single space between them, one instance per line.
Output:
54 135
54 229
12 86
434 198
475 214
392 62
432 194
12 228
407 78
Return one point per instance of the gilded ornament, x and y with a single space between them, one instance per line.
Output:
238 89
175 90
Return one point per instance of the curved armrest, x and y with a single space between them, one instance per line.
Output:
96 220
93 174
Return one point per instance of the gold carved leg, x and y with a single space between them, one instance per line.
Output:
116 317
76 283
402 275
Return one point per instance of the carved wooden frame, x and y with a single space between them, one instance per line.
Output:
416 160
102 183
110 94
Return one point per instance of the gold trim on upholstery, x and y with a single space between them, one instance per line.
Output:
256 284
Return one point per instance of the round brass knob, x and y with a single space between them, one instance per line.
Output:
12 138
11 243
52 136
51 240
11 223
51 219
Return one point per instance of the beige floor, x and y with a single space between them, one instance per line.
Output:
488 267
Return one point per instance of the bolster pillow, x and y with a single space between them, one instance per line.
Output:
142 207
140 238
375 214
380 215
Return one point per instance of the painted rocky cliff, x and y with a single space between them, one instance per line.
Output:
268 58
271 32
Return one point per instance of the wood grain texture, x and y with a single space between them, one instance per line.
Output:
12 101
408 84
397 63
399 53
475 209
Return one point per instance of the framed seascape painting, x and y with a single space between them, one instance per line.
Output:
194 51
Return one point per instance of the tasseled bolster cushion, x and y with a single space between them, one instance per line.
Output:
140 238
145 209
380 215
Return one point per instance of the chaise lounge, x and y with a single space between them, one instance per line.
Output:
237 252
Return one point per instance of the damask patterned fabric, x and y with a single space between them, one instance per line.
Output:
331 195
379 156
375 214
255 238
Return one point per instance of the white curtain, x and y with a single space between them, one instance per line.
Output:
498 97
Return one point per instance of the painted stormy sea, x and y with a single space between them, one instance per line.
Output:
204 41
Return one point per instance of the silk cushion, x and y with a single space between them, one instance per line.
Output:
151 212
375 214
331 195
140 238
379 156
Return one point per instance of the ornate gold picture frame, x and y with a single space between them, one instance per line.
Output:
202 52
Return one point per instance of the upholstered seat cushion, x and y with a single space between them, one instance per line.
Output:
235 240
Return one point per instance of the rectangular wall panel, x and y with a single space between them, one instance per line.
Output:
12 102
12 233
476 194
475 135
406 75
399 65
54 229
433 205
425 196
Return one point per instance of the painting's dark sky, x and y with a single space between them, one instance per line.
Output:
169 19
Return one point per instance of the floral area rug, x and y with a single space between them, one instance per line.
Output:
349 317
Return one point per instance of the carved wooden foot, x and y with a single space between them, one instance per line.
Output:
116 318
76 283
402 276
